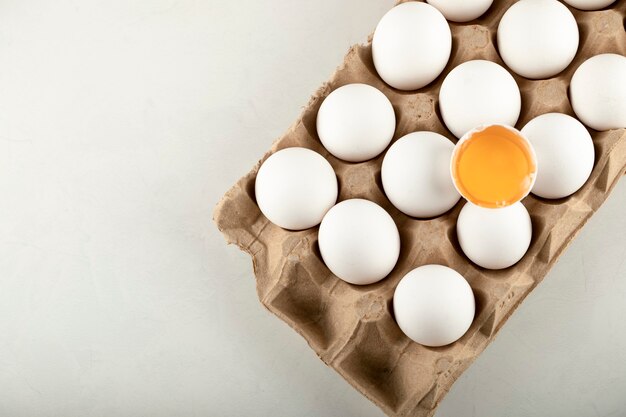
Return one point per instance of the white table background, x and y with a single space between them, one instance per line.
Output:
121 125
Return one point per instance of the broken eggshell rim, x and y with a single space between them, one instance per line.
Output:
467 136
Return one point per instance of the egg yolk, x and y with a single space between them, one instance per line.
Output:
494 167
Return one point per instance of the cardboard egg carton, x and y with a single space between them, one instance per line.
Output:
351 328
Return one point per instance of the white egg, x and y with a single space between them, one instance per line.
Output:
478 93
434 305
295 187
598 92
461 10
565 154
416 175
589 4
411 45
359 241
537 38
494 238
356 122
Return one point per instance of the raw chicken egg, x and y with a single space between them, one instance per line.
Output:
356 122
598 92
589 4
538 38
494 166
494 238
359 241
411 45
461 10
434 305
564 151
295 187
416 175
478 93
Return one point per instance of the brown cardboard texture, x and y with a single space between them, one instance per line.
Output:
351 328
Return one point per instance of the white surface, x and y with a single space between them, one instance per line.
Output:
121 125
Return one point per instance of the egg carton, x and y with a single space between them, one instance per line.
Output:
351 328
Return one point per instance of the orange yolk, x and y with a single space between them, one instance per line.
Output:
494 167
